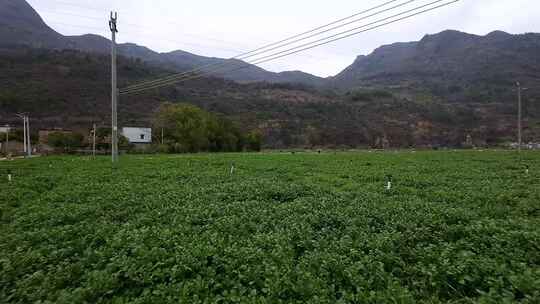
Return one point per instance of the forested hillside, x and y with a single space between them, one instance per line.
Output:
435 92
71 89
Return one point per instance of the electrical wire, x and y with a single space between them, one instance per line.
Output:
147 34
307 48
329 30
142 32
309 45
352 30
243 55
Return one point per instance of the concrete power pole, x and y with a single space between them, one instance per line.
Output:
25 146
94 141
7 140
114 92
29 145
26 131
519 116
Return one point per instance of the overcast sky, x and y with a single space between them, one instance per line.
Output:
227 28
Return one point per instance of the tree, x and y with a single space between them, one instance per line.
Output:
254 141
184 125
188 128
223 135
103 140
65 141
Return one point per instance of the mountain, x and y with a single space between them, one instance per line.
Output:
20 24
456 66
433 92
71 89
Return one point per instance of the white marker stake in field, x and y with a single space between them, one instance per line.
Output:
232 169
388 182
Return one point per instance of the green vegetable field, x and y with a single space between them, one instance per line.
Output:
455 227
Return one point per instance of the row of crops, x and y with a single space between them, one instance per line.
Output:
456 227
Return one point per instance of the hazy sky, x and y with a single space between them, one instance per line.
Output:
227 28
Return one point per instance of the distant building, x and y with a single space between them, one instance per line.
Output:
5 129
138 135
528 146
533 146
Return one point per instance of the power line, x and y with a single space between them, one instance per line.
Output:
281 42
146 33
321 27
304 49
360 32
308 45
261 60
152 37
137 25
77 5
328 30
352 30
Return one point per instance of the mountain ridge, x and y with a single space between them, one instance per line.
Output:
431 92
450 57
22 25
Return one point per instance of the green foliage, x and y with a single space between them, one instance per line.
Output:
9 99
59 88
103 140
16 135
254 141
457 227
124 144
369 95
65 141
188 128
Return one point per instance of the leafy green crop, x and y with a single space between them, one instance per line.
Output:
456 227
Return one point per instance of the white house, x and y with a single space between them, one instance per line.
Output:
5 129
138 135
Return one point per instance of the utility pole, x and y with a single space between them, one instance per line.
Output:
162 137
7 140
520 114
25 147
114 91
25 137
29 146
94 141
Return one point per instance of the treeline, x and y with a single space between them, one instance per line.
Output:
71 141
185 128
177 128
